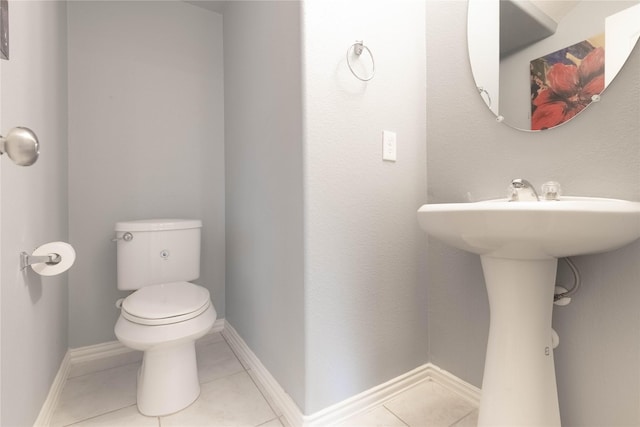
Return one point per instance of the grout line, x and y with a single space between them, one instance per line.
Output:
272 402
221 377
395 415
268 421
227 375
242 362
102 370
462 418
264 396
268 399
97 416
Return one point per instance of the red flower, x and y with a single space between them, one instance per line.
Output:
569 91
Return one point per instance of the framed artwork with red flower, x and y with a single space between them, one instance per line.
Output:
564 82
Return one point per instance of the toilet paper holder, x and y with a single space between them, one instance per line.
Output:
27 260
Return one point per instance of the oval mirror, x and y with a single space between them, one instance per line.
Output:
538 63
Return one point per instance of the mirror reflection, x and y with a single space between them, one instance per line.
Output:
538 63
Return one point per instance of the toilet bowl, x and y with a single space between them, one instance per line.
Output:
163 319
154 321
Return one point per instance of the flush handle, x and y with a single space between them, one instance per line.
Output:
127 237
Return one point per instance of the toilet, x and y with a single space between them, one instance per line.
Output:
165 314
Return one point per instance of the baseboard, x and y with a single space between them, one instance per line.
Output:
352 406
281 399
51 402
75 356
368 399
333 414
115 348
97 351
452 383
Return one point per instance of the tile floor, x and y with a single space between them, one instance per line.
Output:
103 393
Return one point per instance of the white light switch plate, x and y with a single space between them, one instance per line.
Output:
388 146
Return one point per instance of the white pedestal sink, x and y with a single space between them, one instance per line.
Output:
519 244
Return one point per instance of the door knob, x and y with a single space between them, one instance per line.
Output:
21 145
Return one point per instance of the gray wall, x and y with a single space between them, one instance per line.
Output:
264 188
145 141
365 298
323 248
470 156
34 208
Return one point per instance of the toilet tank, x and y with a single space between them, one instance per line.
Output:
160 251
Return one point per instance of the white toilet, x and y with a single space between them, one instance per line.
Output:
166 314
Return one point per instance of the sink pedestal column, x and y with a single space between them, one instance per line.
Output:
519 383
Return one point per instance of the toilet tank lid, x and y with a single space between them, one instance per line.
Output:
158 224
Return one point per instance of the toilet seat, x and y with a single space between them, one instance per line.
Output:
166 303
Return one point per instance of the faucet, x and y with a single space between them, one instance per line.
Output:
522 190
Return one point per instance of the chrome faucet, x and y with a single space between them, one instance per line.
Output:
522 190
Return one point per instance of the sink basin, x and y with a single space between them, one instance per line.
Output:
534 230
519 244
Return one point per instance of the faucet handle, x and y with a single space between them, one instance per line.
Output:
551 190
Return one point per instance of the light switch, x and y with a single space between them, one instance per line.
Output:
388 146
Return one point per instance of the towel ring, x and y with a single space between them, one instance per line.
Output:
357 48
485 95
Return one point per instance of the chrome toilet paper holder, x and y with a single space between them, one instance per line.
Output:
27 260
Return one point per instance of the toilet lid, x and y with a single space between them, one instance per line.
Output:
166 303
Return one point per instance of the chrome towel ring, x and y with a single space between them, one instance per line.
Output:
485 95
358 47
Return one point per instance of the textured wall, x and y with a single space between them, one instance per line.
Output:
264 189
365 302
34 208
470 156
145 141
352 313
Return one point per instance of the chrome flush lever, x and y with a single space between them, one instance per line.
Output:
127 237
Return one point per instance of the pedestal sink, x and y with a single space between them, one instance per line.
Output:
519 244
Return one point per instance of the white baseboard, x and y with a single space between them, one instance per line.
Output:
354 405
115 348
333 414
76 356
452 383
51 402
368 399
281 399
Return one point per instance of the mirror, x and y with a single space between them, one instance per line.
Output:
538 63
4 29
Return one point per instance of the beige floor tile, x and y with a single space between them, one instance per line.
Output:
95 394
216 360
470 420
273 423
126 417
378 417
230 401
209 338
429 405
266 395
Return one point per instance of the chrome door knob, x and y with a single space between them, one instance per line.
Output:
21 145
